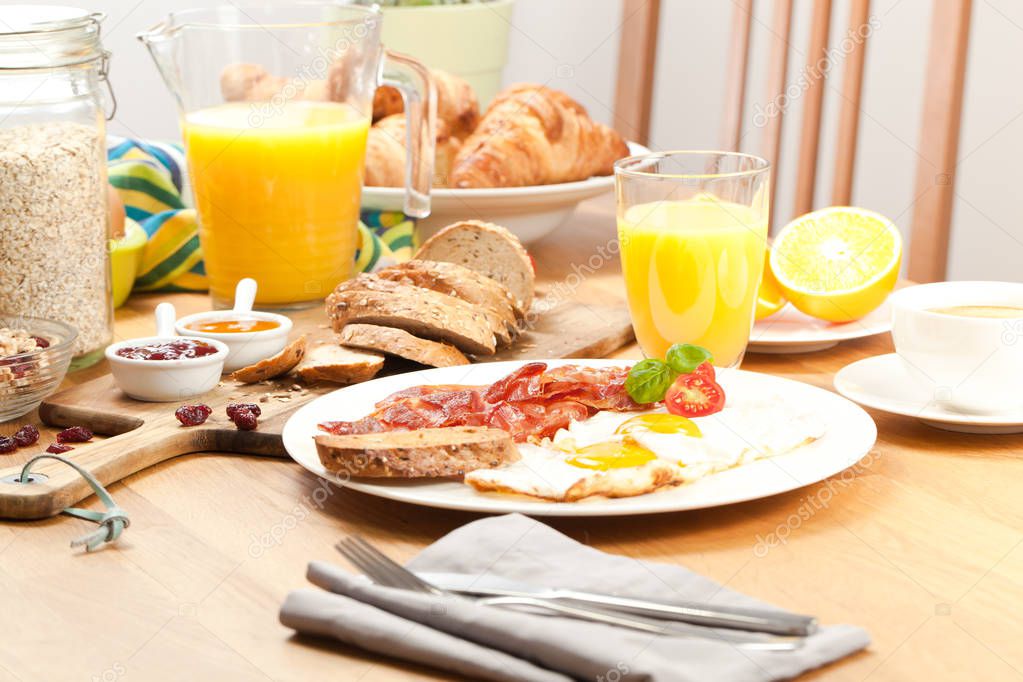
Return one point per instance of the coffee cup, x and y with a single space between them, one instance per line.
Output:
963 342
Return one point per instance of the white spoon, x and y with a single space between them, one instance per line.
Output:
245 295
166 318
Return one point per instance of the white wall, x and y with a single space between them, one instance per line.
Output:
987 241
573 45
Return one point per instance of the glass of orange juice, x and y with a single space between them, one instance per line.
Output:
692 233
275 102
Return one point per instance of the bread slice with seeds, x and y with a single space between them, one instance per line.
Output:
334 363
367 299
400 343
424 453
459 281
488 249
490 298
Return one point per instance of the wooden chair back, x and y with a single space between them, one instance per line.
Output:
939 131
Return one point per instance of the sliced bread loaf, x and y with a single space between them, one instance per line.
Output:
488 249
503 326
429 314
424 453
459 281
402 344
331 362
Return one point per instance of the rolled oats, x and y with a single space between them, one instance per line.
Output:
53 228
15 342
17 372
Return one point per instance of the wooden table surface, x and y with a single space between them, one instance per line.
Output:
921 543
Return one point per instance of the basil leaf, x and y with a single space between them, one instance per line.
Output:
649 380
684 358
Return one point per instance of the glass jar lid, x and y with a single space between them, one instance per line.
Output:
39 36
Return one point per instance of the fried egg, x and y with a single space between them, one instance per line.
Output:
622 454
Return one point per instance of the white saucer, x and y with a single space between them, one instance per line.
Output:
883 383
790 331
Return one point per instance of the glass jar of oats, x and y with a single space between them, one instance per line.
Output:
54 228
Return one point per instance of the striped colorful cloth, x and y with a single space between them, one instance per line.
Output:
151 179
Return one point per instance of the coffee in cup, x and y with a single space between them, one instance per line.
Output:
963 341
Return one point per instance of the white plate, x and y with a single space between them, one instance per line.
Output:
883 383
529 212
851 434
790 331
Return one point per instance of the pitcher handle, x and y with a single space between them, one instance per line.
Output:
415 84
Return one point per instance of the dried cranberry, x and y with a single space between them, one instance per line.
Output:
26 435
234 408
74 434
41 342
193 415
18 365
58 448
245 420
7 445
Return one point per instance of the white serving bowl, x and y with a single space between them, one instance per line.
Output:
164 381
531 213
243 348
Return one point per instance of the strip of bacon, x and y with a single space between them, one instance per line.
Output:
531 402
600 387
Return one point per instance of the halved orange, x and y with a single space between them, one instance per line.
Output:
838 263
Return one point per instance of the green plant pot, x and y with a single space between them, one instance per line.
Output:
470 41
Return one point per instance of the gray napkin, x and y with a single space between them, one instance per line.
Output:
502 644
313 612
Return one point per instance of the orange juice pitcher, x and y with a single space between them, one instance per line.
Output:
275 103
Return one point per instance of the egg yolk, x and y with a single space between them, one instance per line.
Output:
659 423
611 455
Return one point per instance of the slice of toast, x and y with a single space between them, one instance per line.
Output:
424 453
330 362
402 344
275 365
488 249
428 314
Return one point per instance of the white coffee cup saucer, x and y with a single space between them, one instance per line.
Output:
882 382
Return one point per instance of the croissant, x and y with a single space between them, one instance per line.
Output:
533 135
242 82
248 83
457 105
385 153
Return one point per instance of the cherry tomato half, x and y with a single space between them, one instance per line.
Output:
693 395
705 370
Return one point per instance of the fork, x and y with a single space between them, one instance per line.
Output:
386 572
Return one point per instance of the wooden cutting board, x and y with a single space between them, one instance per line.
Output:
143 434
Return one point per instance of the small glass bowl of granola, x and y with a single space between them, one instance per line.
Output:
34 357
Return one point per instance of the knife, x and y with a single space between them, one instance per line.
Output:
709 615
